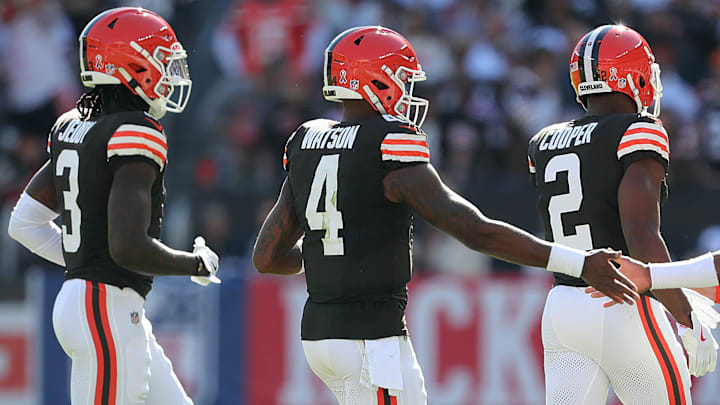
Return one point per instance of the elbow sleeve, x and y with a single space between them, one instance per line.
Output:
31 224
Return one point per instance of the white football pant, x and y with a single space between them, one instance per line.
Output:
631 348
339 363
116 359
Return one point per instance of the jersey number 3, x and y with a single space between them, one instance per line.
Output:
566 203
330 220
70 159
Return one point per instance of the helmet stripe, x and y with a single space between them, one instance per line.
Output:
92 22
341 36
581 52
588 52
328 66
83 53
596 47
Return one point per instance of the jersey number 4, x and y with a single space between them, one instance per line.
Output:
70 159
566 203
330 220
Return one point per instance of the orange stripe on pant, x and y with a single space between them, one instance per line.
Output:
384 398
98 322
110 342
96 340
673 380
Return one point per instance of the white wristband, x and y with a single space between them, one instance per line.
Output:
694 273
566 260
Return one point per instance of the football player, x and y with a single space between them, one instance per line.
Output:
350 193
601 182
105 179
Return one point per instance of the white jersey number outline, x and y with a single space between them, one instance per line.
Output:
569 202
330 220
70 159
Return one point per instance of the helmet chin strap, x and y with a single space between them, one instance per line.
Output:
657 86
158 107
579 100
375 100
636 94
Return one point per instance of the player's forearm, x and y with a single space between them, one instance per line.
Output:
676 302
150 256
129 214
287 263
31 224
421 188
509 243
276 250
459 218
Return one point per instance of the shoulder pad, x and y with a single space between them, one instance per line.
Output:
69 115
546 129
319 123
61 122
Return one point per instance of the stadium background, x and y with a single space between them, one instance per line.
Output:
497 73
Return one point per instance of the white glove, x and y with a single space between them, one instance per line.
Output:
209 261
700 346
703 306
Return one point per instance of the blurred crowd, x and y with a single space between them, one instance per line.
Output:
497 73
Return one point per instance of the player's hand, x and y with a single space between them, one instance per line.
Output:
209 260
600 273
700 346
638 272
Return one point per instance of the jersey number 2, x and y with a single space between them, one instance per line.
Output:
70 159
565 203
330 220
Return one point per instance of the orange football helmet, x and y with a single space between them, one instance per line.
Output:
376 64
139 49
615 58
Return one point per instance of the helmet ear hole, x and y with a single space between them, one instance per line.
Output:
136 68
380 85
641 82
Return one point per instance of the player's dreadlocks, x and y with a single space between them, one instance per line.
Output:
109 98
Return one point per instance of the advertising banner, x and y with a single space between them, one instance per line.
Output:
477 339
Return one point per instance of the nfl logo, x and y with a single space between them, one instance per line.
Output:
134 317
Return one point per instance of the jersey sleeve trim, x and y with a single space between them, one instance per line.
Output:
285 159
153 121
138 140
644 136
405 148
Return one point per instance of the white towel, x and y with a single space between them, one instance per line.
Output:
382 365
